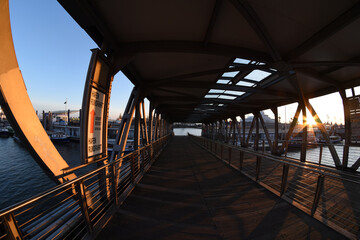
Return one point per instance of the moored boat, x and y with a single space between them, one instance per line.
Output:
4 133
58 137
333 139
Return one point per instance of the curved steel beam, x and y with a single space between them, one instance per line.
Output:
254 21
18 108
338 24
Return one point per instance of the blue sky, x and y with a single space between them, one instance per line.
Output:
54 52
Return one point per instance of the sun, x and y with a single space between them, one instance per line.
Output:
311 121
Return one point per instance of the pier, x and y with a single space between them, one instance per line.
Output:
208 64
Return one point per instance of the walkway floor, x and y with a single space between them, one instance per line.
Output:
189 194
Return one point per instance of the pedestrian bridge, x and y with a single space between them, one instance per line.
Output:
208 62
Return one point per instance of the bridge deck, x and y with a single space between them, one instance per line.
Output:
189 194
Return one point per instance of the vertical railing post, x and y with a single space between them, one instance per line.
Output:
258 163
284 179
319 187
114 180
229 155
142 164
221 151
132 167
138 160
11 227
320 154
80 192
241 159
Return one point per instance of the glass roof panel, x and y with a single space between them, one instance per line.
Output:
230 74
221 81
216 91
241 60
226 97
257 75
234 92
211 96
245 84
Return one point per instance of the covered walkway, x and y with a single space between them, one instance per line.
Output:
189 194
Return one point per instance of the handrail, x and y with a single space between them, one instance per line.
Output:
39 196
325 193
306 164
69 170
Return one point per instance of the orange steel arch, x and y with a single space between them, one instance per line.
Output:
18 108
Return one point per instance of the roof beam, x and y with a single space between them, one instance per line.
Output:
175 92
213 18
320 77
254 21
326 64
242 67
91 23
191 47
199 84
338 24
335 68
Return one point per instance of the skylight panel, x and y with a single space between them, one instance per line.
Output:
230 74
211 96
244 84
348 92
226 97
221 81
257 75
241 60
216 91
238 93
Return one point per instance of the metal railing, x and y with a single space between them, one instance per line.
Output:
316 152
79 208
327 194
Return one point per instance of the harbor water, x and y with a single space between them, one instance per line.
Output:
21 177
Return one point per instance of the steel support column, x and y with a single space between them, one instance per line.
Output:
257 135
243 143
265 131
124 128
151 127
347 120
250 131
321 127
304 136
275 149
291 129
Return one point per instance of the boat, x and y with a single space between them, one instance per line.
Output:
11 131
17 139
128 148
58 136
333 139
4 133
296 142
